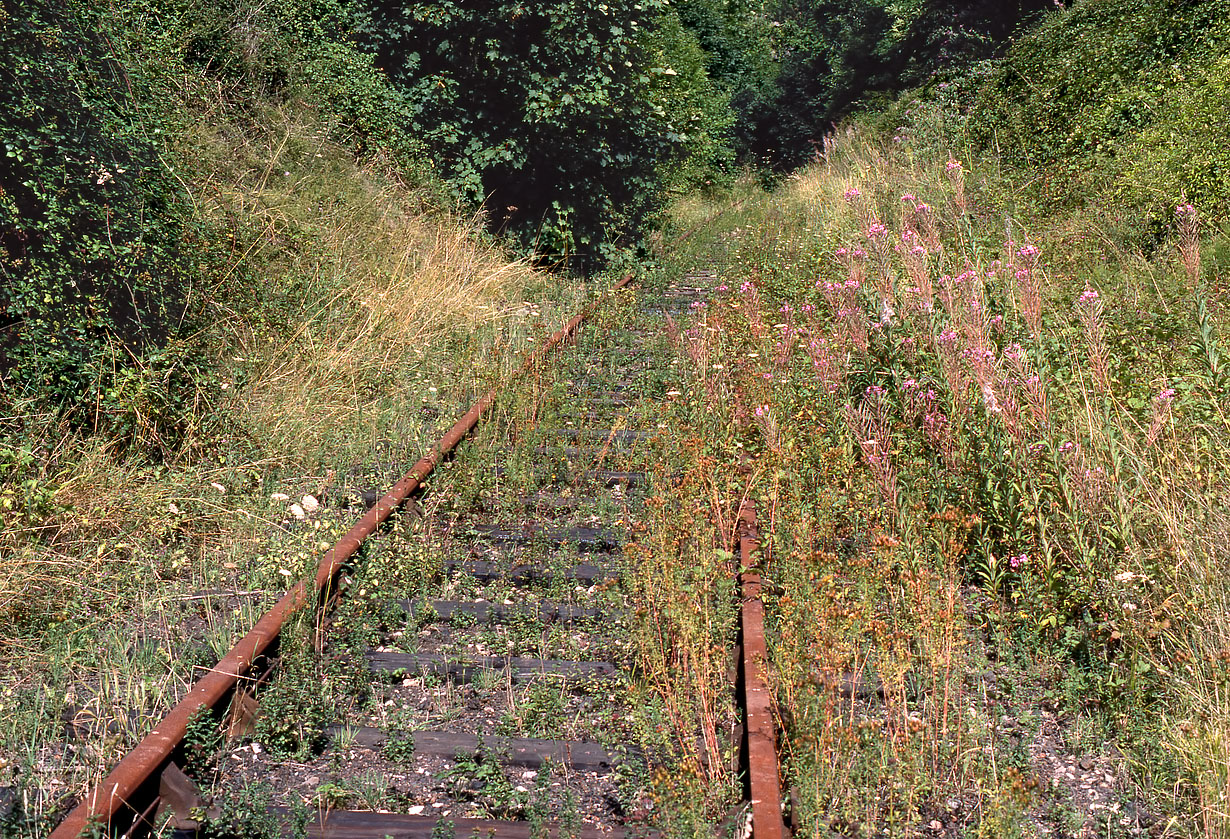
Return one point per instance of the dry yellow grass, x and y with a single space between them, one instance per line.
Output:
347 295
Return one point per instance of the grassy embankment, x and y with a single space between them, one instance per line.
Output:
349 319
976 384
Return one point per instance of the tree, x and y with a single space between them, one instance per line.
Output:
559 115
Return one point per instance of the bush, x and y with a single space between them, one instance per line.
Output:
92 224
838 56
1119 98
286 49
555 115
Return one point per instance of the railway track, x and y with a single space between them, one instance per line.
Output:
456 667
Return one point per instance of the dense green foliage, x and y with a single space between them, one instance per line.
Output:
793 68
560 116
1122 100
286 50
92 225
105 259
569 123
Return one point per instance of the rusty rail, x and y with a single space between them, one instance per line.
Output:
121 789
761 748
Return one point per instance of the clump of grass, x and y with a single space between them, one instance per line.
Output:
371 288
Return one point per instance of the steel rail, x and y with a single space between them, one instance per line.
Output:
119 790
761 752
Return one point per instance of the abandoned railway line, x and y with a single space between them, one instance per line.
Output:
483 684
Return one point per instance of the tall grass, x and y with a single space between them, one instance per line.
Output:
349 319
980 438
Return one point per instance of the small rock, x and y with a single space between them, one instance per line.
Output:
1086 763
416 810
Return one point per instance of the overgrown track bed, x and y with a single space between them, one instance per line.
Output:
474 672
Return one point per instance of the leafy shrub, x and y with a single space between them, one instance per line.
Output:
1116 97
281 50
837 56
92 225
554 114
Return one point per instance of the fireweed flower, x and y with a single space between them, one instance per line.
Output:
876 230
1161 413
851 193
1089 307
1189 241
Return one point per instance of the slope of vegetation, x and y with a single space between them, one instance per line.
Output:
971 367
970 361
312 311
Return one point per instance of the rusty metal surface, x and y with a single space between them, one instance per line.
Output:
762 766
132 777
